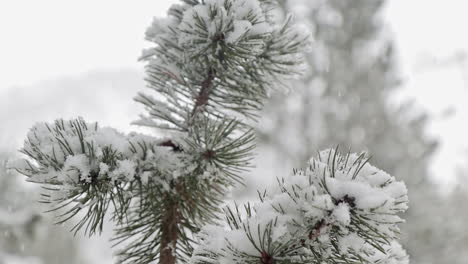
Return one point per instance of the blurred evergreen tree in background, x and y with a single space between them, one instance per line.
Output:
26 236
345 99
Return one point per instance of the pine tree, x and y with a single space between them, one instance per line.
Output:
213 64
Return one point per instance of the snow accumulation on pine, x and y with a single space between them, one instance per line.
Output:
339 207
212 65
242 42
240 21
72 155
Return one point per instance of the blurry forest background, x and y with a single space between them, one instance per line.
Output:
383 77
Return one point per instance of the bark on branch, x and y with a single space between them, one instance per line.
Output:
172 217
204 95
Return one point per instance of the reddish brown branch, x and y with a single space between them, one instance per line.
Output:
170 143
318 228
266 259
172 217
204 95
170 230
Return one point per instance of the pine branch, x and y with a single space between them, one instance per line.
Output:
208 69
338 210
170 231
172 217
203 96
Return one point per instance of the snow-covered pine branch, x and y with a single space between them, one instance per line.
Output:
217 57
212 65
340 209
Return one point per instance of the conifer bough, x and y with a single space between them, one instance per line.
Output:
213 64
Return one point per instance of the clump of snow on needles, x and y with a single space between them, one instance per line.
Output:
339 204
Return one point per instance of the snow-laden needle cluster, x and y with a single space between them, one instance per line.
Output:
90 166
217 56
340 209
211 66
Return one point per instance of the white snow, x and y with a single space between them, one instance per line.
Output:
241 27
331 200
125 170
75 168
341 214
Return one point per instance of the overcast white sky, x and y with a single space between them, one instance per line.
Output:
432 43
59 58
43 40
